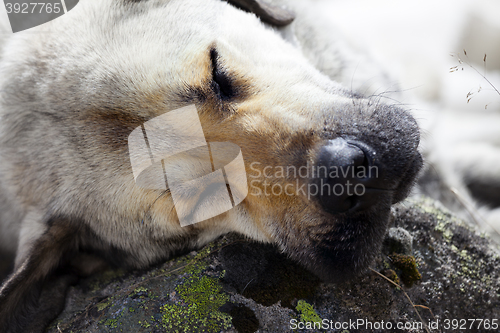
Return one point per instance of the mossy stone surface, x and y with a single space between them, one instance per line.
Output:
233 285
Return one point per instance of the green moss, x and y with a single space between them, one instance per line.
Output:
103 305
443 217
442 227
201 296
140 289
111 323
391 274
307 312
408 267
471 267
143 290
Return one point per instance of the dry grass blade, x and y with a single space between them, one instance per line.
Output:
427 308
408 297
473 212
478 72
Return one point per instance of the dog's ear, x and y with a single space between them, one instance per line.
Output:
267 12
31 298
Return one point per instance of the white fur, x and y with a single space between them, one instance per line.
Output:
148 66
313 37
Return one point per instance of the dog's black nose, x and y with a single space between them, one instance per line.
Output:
343 170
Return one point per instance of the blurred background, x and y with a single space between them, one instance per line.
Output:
444 59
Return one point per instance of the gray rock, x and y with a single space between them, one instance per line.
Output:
233 285
398 240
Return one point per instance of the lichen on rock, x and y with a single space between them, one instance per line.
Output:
233 285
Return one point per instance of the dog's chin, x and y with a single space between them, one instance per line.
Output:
348 249
352 241
338 266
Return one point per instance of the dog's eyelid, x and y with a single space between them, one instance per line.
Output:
217 69
214 57
222 83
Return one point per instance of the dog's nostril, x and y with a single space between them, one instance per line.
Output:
342 170
342 156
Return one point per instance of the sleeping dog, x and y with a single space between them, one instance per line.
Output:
323 163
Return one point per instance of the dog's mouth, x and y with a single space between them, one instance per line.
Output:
353 223
346 249
355 236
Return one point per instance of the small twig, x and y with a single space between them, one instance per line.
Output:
408 297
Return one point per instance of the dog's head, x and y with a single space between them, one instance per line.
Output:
324 164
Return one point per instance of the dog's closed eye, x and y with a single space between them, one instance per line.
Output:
221 81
